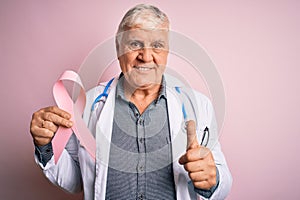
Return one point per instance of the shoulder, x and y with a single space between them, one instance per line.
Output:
203 100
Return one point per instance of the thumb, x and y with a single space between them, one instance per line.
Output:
192 141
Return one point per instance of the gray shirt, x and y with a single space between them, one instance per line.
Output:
140 165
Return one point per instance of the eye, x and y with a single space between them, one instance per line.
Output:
135 45
158 45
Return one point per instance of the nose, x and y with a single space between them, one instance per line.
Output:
146 55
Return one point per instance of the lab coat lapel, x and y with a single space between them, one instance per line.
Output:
179 141
103 138
178 136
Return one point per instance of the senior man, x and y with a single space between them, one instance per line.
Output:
136 129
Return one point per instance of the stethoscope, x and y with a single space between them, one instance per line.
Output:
103 96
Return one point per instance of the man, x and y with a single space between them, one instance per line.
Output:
137 128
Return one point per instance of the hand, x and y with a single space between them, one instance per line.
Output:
45 122
198 161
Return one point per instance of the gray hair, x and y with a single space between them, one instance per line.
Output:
143 15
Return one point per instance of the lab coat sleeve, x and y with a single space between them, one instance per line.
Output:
225 179
66 173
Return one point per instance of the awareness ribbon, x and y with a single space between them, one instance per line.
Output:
79 128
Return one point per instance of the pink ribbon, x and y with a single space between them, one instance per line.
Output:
65 102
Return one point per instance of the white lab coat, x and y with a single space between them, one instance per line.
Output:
76 169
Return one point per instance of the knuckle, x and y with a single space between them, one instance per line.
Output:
61 121
187 167
52 108
32 123
213 173
32 130
40 111
53 127
189 155
212 168
49 134
42 133
48 116
192 176
36 115
198 184
38 141
64 121
213 181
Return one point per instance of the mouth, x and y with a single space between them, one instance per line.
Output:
140 68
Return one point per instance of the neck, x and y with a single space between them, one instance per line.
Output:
143 96
141 92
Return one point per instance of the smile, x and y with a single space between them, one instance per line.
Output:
142 68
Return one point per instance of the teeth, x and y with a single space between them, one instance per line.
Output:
143 68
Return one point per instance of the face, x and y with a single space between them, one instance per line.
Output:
142 55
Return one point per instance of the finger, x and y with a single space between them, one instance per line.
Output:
204 185
58 111
198 176
194 155
41 136
49 125
195 166
41 141
42 132
56 119
192 141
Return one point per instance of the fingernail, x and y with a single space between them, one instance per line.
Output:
70 124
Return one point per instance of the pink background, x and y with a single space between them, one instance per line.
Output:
255 46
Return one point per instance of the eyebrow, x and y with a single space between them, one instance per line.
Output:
134 40
159 41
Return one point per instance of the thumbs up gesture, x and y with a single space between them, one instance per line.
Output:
198 161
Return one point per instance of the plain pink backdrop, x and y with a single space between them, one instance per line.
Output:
254 44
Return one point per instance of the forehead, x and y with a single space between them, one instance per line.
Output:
145 34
